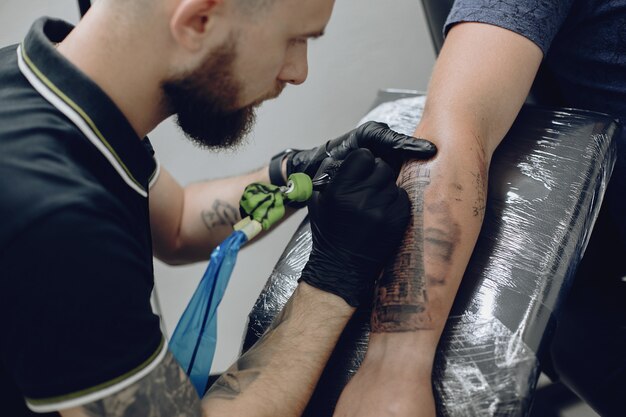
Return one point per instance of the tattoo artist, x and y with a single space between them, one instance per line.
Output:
88 204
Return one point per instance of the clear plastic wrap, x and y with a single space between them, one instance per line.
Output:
546 185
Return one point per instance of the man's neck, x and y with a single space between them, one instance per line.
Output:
119 61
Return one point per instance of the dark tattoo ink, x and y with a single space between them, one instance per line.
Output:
443 247
220 214
402 299
440 242
480 181
401 294
164 392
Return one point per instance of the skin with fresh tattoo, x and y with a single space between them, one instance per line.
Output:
415 292
480 180
401 303
471 105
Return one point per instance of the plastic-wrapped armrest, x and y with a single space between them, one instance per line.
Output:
547 180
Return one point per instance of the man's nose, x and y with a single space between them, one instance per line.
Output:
296 67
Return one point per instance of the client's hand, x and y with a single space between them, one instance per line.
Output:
357 223
391 381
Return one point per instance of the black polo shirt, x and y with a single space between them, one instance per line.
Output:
75 247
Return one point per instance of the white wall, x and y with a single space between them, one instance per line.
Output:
370 44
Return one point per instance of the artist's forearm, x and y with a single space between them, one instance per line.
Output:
276 377
188 223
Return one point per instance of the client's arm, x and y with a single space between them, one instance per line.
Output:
478 86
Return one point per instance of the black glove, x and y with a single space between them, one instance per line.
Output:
384 143
357 222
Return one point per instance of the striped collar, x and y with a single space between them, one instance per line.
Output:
85 104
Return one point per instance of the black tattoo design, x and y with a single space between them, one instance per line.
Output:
401 294
220 214
402 301
166 391
440 242
480 181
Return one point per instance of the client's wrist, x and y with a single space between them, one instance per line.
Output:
404 352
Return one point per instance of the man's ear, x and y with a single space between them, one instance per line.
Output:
191 21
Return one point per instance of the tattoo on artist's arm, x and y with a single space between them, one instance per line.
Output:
221 213
250 365
165 392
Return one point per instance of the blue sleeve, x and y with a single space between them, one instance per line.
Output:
536 20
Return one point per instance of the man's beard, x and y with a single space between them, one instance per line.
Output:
205 101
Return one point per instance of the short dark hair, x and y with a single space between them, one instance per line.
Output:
254 5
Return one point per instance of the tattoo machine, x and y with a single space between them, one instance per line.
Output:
263 205
195 337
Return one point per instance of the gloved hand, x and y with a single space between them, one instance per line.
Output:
384 143
357 222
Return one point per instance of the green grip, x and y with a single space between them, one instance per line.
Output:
300 187
263 203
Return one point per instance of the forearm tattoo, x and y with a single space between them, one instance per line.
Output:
250 365
480 180
402 299
163 393
401 293
220 214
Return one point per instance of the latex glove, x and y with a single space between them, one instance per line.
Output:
357 222
394 148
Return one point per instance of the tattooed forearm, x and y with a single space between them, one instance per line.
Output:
422 262
440 243
401 294
250 365
480 181
220 214
164 392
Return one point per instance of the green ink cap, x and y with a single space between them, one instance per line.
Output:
299 187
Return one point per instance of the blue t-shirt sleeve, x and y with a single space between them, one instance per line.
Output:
536 20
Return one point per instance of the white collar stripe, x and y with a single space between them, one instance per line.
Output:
104 392
79 121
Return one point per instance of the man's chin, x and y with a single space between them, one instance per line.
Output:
221 133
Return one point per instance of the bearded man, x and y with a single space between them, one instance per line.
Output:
84 203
